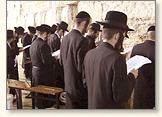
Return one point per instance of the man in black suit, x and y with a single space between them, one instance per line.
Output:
27 40
55 39
42 65
105 71
92 35
54 42
144 92
74 46
10 60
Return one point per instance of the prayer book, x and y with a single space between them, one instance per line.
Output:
136 62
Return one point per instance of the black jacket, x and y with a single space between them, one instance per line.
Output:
26 40
10 61
43 68
144 92
109 86
91 42
54 42
73 49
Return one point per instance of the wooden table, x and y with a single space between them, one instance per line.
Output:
39 89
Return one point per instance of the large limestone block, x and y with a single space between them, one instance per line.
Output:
30 20
51 17
94 8
68 15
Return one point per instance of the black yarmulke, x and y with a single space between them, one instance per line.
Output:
151 28
83 14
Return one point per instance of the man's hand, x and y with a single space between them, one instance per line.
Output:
134 72
21 49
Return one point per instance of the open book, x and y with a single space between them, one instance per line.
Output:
136 62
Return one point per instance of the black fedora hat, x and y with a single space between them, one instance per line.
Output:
115 19
19 29
151 28
32 29
10 33
63 25
54 27
95 26
44 27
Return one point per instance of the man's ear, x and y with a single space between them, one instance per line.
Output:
84 23
117 36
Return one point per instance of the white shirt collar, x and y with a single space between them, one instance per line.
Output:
77 29
41 38
151 40
9 45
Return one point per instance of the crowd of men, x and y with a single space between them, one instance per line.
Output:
94 76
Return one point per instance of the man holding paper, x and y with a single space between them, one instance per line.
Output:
26 42
42 64
105 70
144 92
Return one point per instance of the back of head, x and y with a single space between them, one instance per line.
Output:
19 30
82 16
9 35
151 32
32 29
109 32
44 28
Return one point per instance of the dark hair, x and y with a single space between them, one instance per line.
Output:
91 30
108 33
83 14
80 20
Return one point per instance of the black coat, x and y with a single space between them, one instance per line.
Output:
12 67
26 40
10 61
91 42
43 69
54 42
144 92
14 48
109 86
73 49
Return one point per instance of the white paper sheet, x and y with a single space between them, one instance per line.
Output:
136 62
127 50
57 53
26 47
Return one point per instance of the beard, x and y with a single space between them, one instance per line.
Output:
84 31
119 44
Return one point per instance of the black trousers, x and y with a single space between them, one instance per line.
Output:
43 77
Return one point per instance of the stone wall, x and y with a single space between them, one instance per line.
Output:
141 14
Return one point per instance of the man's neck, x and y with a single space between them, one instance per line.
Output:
110 42
41 37
58 34
79 29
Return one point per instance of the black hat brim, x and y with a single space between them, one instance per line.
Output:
42 28
62 27
114 25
